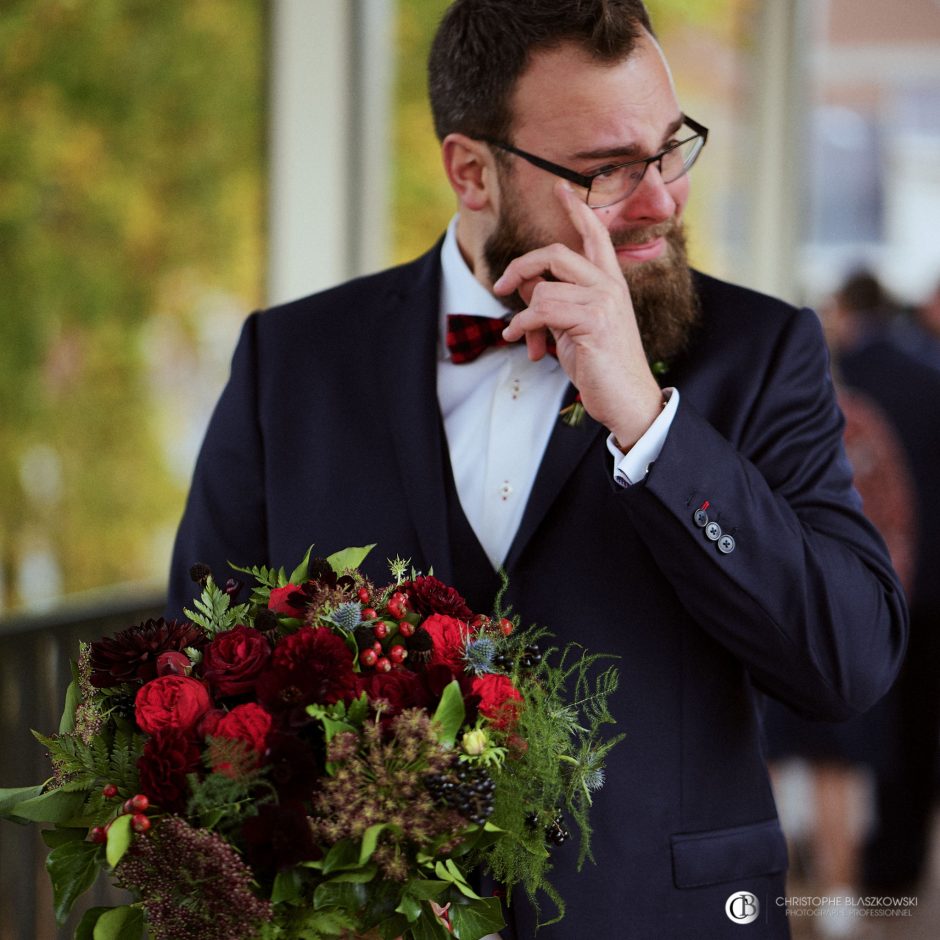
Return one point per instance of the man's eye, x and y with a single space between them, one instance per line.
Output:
605 172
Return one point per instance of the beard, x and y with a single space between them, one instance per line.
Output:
663 295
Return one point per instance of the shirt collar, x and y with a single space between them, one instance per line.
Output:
461 292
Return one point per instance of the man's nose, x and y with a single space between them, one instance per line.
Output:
650 202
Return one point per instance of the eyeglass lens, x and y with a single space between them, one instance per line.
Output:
620 181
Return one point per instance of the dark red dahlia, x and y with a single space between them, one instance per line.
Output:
278 838
131 655
428 595
311 665
167 759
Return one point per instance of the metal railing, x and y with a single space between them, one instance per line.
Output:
35 650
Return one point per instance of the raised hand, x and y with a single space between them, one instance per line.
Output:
585 302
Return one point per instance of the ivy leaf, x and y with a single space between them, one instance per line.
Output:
427 927
425 889
478 919
119 839
120 923
56 837
86 926
410 907
73 868
349 558
450 714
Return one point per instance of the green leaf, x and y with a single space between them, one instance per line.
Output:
349 558
472 921
425 889
450 714
460 881
10 798
86 926
73 868
119 839
299 574
56 837
347 896
427 927
358 876
72 698
345 854
370 839
357 710
287 886
120 923
53 806
410 906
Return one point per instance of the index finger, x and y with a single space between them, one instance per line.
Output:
595 239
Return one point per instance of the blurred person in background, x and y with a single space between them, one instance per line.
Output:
919 334
895 359
881 383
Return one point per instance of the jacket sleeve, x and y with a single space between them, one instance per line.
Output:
225 518
780 566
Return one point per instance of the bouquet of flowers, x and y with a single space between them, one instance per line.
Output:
328 758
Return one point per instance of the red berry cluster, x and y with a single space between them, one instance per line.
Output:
482 622
136 807
393 625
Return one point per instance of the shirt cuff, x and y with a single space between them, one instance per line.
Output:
633 466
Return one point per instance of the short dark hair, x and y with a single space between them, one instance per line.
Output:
483 46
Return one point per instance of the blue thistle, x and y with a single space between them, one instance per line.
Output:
595 778
478 654
347 616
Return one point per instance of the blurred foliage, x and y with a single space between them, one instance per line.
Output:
131 161
422 199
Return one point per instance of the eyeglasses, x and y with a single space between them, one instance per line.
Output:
611 184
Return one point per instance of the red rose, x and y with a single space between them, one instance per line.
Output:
170 703
248 723
450 636
234 660
499 698
279 601
166 760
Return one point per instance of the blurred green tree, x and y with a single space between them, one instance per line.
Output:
131 189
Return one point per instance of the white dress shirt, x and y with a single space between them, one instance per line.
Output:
500 410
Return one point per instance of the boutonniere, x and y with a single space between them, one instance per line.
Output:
573 414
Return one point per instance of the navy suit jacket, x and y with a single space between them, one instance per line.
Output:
329 433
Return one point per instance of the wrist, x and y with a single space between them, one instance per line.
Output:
627 434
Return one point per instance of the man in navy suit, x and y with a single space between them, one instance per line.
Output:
700 521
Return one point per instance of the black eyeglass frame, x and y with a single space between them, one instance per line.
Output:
586 181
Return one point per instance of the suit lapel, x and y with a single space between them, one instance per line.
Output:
566 448
408 353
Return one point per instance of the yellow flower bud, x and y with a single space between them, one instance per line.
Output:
474 742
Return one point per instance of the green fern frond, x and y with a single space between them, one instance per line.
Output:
214 611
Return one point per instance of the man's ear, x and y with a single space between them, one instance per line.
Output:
471 170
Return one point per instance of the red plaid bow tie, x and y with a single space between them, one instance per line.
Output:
468 336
